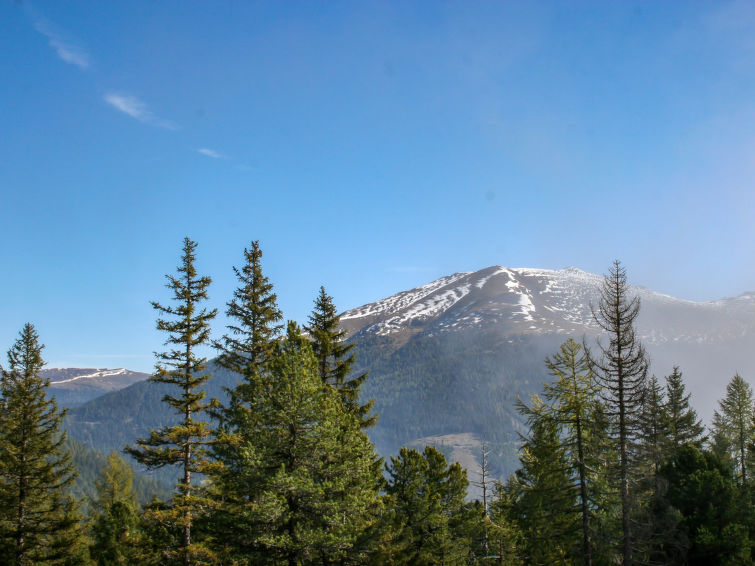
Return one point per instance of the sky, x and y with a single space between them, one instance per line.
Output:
370 147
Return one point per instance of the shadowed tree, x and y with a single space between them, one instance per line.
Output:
116 515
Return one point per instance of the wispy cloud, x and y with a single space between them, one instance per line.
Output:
211 153
67 50
136 108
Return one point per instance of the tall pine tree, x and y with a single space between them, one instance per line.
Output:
184 444
621 369
335 358
38 522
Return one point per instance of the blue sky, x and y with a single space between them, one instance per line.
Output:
370 147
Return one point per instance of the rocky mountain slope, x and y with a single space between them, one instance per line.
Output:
451 357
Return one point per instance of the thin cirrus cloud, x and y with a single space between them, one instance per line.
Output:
211 153
137 109
66 50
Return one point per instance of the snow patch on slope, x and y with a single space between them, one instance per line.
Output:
96 374
400 301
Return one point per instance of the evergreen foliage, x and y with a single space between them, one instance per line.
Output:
302 486
39 523
700 487
544 497
335 357
183 444
255 324
683 424
621 368
653 430
426 510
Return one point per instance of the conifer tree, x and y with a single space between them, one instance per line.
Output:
38 522
544 497
184 444
425 506
621 368
683 424
335 357
573 408
734 425
304 484
255 322
116 514
653 428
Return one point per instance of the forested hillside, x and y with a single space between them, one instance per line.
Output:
263 455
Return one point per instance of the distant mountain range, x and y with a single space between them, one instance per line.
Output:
74 386
449 359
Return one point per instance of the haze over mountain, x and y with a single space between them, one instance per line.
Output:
449 359
74 386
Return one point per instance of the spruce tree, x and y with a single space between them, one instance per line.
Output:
653 428
335 358
544 496
255 322
183 444
302 485
425 508
734 425
621 368
38 522
682 422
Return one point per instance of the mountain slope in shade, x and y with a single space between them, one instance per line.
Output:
74 386
449 359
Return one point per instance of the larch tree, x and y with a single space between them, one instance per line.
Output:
335 357
621 367
38 522
184 445
572 405
116 514
734 423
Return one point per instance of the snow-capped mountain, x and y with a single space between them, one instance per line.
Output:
542 301
447 361
73 386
